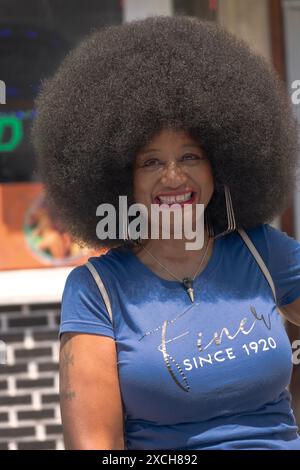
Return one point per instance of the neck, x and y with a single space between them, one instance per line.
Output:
172 249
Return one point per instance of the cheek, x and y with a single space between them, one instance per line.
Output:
141 189
136 183
210 178
205 177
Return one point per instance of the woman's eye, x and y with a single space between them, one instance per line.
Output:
191 157
151 162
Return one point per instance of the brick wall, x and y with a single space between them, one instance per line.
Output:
29 401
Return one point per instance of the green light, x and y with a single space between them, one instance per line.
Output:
16 133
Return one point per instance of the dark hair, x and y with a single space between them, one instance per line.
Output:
124 83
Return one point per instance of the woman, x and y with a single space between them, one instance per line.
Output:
195 356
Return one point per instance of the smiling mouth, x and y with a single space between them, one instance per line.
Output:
187 197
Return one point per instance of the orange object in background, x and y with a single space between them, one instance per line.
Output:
29 236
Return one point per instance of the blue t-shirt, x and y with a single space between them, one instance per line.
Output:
208 375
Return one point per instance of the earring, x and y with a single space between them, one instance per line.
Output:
230 217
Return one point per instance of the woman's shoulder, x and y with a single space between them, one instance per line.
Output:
107 264
276 247
262 234
113 260
273 238
265 238
80 285
257 235
83 308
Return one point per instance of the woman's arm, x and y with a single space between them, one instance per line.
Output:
90 397
292 312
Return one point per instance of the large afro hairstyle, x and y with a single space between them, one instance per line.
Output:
124 83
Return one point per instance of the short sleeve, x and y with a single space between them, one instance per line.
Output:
284 264
82 308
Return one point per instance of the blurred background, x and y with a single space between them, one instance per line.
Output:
36 255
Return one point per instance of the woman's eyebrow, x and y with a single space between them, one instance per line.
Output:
192 145
183 146
150 150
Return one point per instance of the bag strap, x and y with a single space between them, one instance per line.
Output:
259 260
101 288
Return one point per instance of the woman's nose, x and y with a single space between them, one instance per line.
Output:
173 175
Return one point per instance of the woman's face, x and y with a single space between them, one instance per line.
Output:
172 168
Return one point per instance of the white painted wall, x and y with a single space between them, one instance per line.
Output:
137 9
248 20
31 286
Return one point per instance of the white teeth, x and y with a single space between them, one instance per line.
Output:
174 199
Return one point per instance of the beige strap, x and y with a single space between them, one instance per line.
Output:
101 288
259 260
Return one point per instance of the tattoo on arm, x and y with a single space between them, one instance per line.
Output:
66 362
